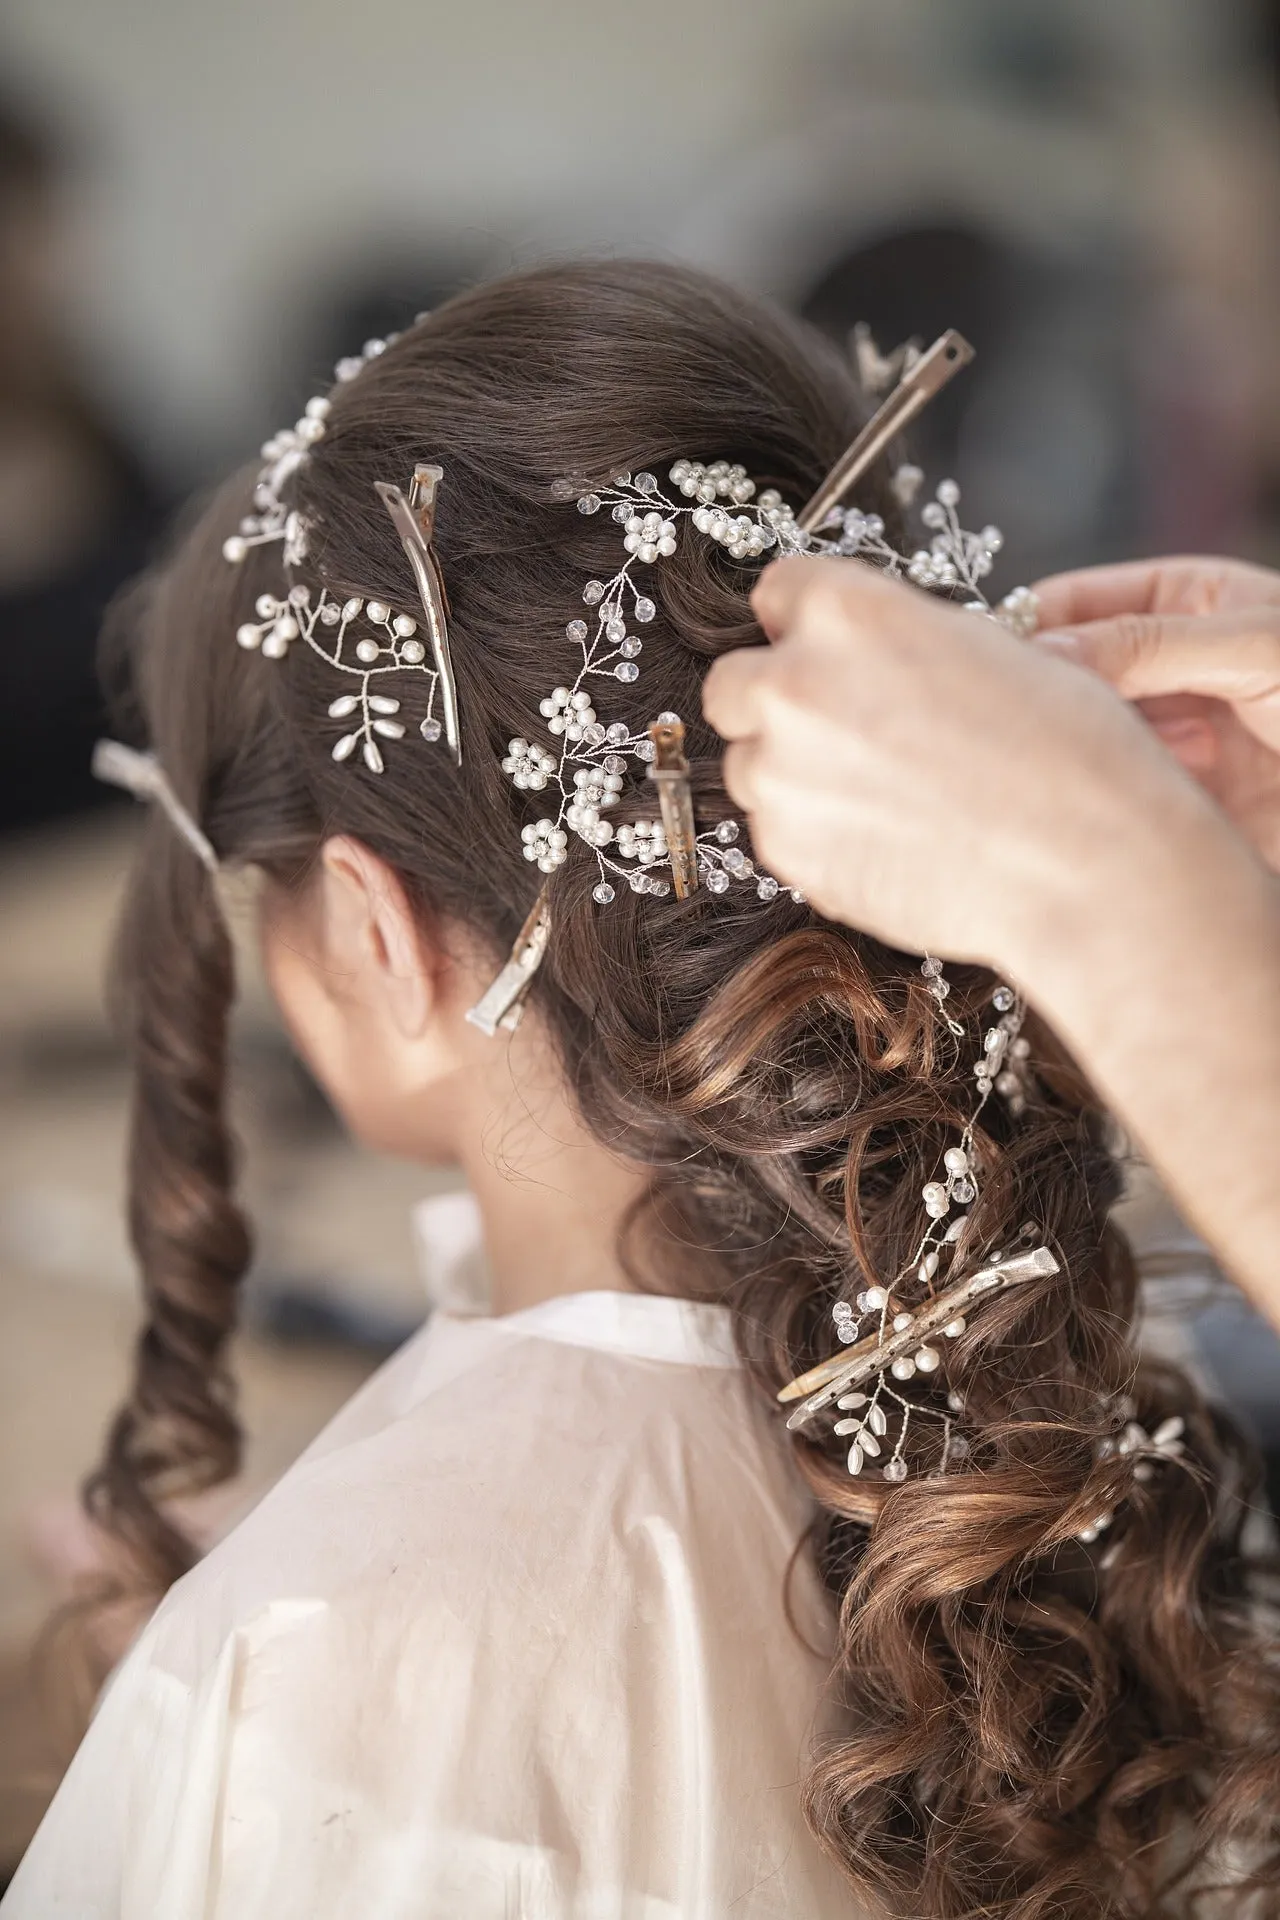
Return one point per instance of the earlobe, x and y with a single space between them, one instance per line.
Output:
374 934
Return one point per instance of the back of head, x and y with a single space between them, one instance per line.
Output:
1033 1722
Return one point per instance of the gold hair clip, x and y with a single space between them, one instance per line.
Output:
414 520
670 771
902 1332
922 378
502 1004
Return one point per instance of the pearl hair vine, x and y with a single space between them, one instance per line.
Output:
902 1343
868 1382
386 641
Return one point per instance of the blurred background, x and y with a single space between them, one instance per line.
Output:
201 208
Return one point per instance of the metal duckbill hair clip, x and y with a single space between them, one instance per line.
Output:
414 520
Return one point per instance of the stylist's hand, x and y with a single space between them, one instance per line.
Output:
919 773
1196 643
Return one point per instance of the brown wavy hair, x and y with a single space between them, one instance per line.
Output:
1029 1726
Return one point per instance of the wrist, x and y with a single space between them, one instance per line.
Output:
1161 889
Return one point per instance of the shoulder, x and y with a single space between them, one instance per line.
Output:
517 1588
482 1465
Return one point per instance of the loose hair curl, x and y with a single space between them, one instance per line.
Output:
1027 1728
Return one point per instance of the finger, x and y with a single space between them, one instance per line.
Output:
731 692
1177 583
782 586
741 760
1098 593
1194 743
1229 656
824 588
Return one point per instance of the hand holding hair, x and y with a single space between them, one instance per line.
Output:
1196 643
924 776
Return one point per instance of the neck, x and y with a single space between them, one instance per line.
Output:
551 1198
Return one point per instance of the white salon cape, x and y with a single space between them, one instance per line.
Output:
509 1642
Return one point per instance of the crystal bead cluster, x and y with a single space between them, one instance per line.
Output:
387 641
953 560
1146 1450
283 454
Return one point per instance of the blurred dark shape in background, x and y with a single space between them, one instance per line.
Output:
78 515
1040 431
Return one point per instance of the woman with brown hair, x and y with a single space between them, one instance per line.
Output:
554 1619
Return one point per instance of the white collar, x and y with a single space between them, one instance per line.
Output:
645 1326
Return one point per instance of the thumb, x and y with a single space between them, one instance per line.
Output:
1233 657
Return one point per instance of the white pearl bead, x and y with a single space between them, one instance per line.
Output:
954 1328
955 1160
377 611
901 1321
234 549
368 651
876 1297
927 1359
903 1367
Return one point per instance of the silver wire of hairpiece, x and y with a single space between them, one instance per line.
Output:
868 1382
385 640
142 775
904 1342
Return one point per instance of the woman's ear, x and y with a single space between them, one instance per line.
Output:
372 939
